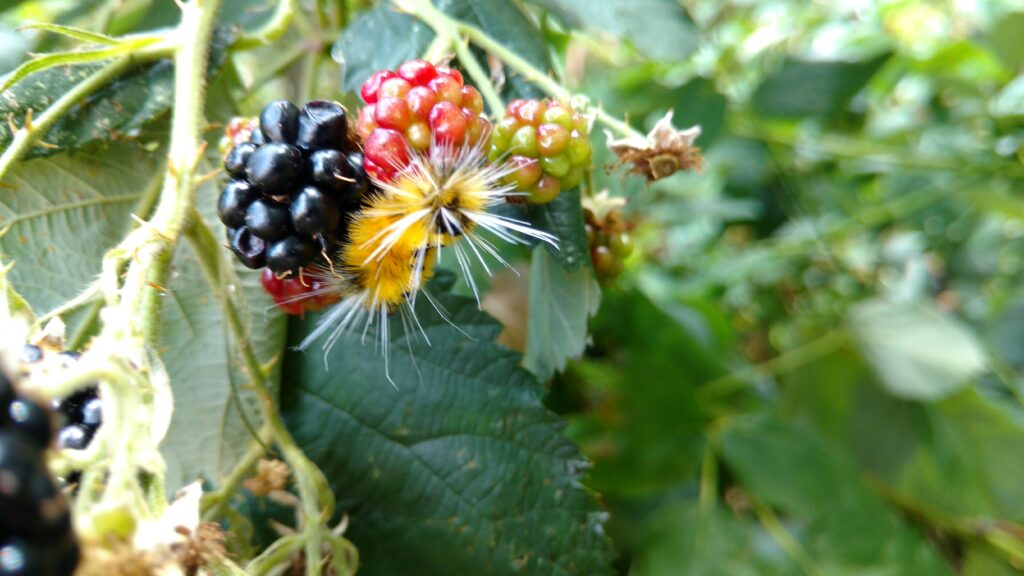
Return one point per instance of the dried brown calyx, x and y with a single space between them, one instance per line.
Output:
665 151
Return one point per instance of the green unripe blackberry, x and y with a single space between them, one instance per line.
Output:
552 134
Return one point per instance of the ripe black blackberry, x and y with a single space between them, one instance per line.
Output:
294 179
78 416
35 527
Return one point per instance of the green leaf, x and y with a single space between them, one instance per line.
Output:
647 433
918 352
561 302
684 540
45 61
64 213
77 33
460 469
661 29
208 435
1010 100
563 217
844 528
379 39
980 560
813 88
1005 38
116 112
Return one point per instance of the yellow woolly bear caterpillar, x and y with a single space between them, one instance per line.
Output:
440 200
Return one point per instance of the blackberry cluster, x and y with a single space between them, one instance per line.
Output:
408 108
292 184
80 415
548 142
36 537
610 243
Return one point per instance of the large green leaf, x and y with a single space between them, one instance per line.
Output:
917 351
379 39
116 112
208 434
686 540
647 434
561 302
816 88
660 29
842 526
458 468
64 213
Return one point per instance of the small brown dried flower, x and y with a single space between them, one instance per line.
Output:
662 153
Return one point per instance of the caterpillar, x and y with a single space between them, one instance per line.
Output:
439 202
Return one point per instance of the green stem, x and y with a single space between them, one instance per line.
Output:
781 364
445 25
783 538
215 503
141 293
708 479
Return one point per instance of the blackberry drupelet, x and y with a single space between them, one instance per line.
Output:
294 179
36 537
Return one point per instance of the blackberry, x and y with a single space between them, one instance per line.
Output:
412 107
250 250
549 144
290 253
268 220
236 198
30 420
609 240
279 121
35 526
296 175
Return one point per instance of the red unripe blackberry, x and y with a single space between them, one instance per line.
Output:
417 72
552 133
372 84
411 108
392 113
295 295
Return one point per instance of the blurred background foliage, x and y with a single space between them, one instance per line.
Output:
812 363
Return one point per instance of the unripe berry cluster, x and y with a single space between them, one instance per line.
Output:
408 108
609 242
548 142
292 185
35 522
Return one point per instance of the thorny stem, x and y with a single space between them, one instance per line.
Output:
445 25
